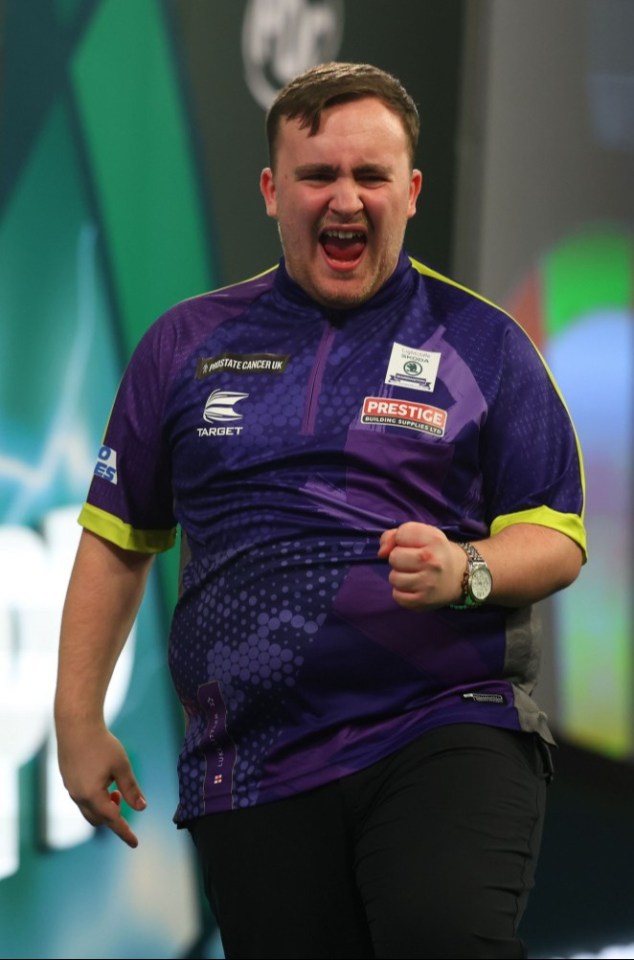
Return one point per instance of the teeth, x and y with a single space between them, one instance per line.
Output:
344 235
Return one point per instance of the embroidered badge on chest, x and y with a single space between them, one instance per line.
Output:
412 368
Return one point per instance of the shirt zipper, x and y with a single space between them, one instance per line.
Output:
316 376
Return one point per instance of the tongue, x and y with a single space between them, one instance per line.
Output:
343 250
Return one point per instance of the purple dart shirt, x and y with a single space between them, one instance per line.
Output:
284 438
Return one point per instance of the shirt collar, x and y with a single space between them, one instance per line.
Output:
398 287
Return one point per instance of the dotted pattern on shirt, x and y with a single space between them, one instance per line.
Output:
278 616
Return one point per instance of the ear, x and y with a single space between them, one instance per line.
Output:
267 189
415 186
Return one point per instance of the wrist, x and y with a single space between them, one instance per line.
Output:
477 582
67 717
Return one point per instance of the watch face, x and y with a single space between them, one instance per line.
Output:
480 583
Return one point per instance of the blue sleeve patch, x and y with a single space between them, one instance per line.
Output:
106 466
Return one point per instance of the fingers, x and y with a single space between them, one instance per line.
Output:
117 823
414 534
98 776
410 559
130 789
413 600
411 546
106 812
411 534
126 789
387 543
414 590
419 556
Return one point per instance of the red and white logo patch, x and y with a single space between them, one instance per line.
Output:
403 413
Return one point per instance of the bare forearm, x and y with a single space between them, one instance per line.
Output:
104 593
529 562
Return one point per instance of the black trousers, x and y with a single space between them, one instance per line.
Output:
428 853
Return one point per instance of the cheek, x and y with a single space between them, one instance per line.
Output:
288 225
296 219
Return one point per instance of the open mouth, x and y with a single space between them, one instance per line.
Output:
343 247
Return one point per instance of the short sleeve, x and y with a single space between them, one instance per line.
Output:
532 462
130 499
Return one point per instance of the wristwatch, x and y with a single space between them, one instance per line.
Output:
477 581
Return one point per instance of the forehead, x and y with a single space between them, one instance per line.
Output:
365 128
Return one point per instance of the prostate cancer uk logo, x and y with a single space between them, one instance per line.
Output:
404 413
242 363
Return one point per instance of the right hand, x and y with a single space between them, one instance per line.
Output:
427 568
91 760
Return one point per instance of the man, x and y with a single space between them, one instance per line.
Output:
375 478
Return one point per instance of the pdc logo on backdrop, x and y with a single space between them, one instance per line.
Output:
281 38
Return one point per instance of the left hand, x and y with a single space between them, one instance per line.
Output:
427 568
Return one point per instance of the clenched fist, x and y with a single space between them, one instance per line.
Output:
427 568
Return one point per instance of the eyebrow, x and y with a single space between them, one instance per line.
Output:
326 169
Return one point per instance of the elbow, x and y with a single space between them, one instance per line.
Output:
570 564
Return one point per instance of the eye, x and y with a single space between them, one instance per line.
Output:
315 175
372 178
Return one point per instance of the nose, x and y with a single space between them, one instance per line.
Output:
346 199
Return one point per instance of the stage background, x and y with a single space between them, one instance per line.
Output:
132 137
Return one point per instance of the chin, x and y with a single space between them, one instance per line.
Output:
342 301
342 295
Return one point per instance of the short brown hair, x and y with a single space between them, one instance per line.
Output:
330 83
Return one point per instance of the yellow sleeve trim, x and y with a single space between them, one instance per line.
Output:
428 272
111 528
569 523
229 286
